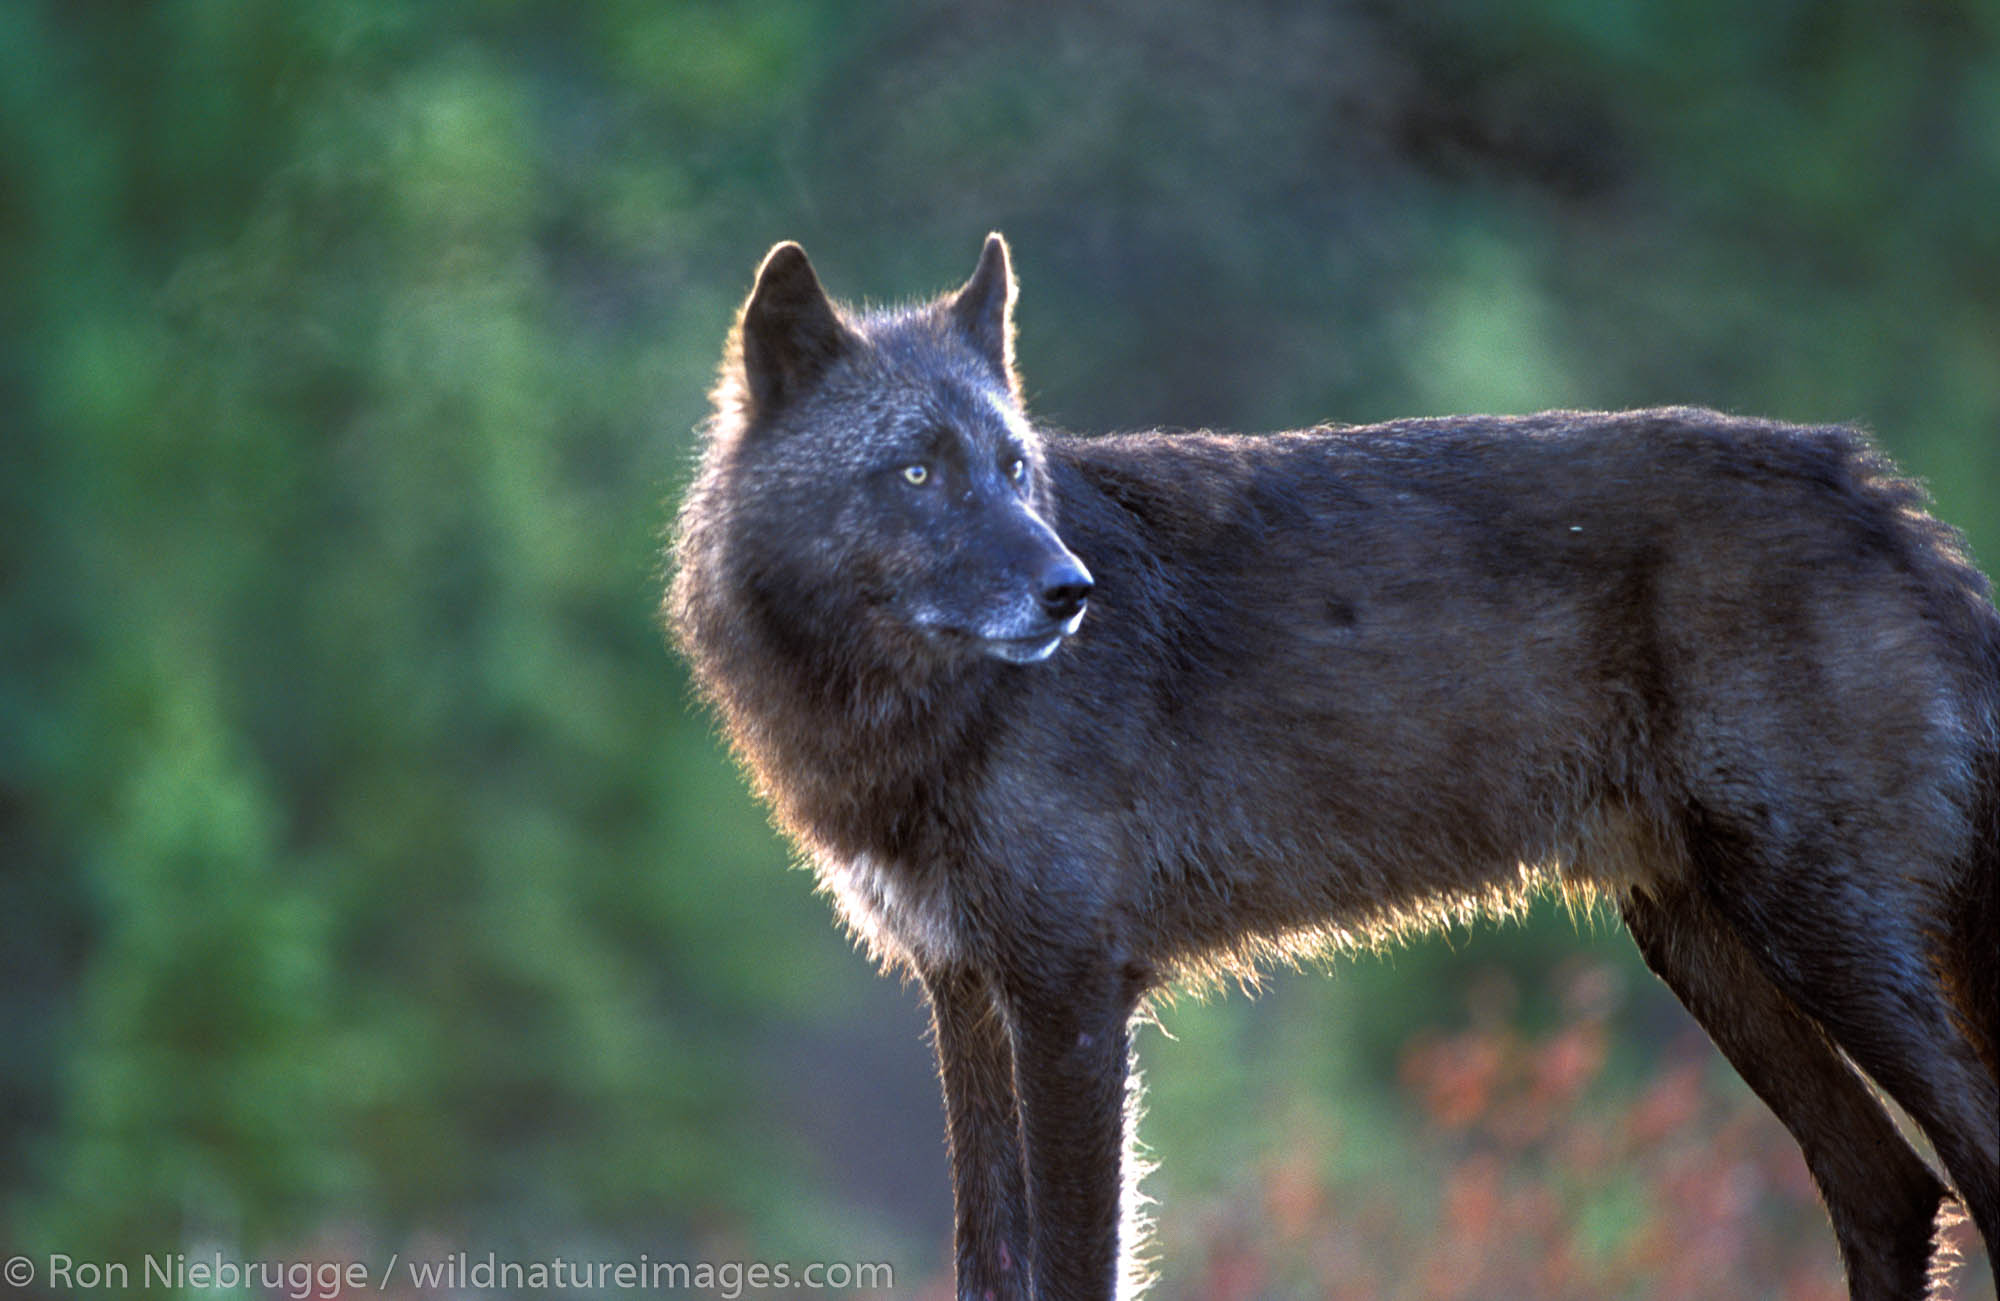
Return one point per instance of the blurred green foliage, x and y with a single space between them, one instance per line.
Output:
366 870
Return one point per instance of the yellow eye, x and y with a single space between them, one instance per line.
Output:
918 474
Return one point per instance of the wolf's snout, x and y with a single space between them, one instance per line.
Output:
1063 588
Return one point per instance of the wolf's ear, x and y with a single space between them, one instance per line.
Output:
984 310
790 331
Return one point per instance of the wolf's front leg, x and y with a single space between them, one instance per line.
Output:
989 1199
1070 1043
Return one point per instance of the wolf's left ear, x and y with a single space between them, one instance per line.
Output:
984 310
789 330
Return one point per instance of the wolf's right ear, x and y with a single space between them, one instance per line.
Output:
984 309
790 331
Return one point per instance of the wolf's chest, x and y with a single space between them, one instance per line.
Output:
893 915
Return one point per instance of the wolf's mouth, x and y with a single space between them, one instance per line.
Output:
1003 643
1021 650
1035 647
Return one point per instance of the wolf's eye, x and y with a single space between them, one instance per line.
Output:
917 474
1017 470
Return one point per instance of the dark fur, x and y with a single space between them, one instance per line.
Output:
1334 684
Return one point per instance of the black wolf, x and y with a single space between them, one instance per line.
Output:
1059 719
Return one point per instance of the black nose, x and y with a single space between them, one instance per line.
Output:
1064 587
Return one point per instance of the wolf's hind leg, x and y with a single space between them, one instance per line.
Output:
1882 1198
1864 952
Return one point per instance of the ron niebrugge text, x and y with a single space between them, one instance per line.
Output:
326 1280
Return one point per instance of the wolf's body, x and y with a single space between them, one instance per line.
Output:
1332 684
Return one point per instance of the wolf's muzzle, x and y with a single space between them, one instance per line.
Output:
1061 590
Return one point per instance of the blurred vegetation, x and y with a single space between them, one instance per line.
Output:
368 882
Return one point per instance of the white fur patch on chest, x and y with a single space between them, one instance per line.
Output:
892 917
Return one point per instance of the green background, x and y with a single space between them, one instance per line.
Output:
369 882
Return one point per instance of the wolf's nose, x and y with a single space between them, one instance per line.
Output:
1064 588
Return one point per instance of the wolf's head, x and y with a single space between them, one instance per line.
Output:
871 487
